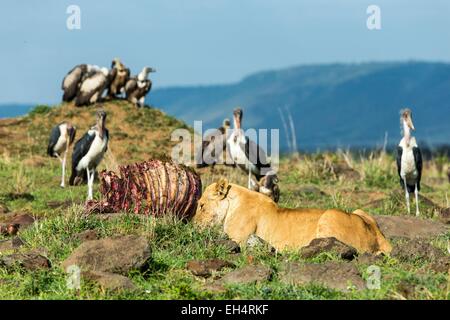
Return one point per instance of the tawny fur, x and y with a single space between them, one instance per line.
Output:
243 212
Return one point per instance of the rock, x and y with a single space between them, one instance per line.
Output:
335 275
444 215
3 208
416 249
23 220
230 245
255 242
214 287
30 261
204 268
319 245
409 227
109 281
86 235
12 244
248 274
14 222
115 255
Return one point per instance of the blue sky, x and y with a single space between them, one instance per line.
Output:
207 41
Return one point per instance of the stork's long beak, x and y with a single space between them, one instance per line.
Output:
410 123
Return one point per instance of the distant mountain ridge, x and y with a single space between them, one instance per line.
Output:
334 105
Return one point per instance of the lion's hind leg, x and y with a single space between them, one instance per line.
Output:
383 245
351 229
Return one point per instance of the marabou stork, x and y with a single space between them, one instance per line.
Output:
137 87
88 152
409 160
216 141
245 153
61 137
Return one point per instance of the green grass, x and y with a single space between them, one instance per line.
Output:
28 188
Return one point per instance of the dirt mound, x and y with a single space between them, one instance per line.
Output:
342 276
136 134
410 227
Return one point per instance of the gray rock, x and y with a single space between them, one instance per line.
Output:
255 242
340 276
248 274
115 255
319 245
409 227
30 261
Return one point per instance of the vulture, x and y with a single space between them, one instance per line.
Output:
72 81
91 89
216 141
119 76
61 137
137 87
409 160
246 153
88 152
268 185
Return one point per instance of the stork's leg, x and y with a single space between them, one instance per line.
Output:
90 197
63 169
416 192
407 196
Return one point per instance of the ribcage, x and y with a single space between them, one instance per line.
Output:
152 187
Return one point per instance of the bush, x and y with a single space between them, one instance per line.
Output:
39 109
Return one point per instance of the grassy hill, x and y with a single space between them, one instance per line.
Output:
29 184
136 134
335 105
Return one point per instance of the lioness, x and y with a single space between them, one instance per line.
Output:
244 212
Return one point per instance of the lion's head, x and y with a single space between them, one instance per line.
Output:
213 205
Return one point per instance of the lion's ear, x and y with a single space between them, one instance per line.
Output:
221 188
